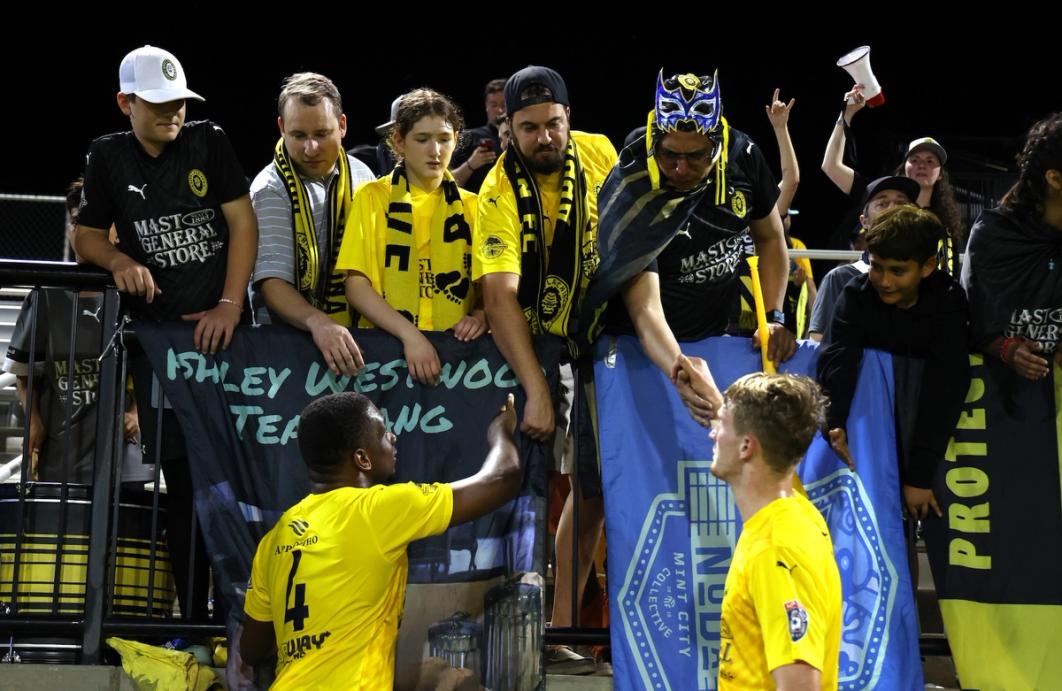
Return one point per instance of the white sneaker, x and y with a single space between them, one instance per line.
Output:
560 659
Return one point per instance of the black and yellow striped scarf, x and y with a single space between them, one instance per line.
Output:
450 250
638 218
321 288
550 292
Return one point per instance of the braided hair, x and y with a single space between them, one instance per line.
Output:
1042 152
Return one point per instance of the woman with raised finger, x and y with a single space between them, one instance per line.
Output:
407 244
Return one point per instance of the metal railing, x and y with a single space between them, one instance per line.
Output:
61 541
99 616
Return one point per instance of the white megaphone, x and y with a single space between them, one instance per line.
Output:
857 64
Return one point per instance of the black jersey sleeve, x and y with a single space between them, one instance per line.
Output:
764 187
225 167
97 201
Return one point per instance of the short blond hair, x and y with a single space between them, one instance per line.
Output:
783 411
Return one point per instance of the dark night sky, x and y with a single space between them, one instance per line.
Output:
61 89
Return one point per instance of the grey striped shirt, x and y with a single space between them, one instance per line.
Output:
276 244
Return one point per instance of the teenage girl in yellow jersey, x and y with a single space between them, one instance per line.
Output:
407 245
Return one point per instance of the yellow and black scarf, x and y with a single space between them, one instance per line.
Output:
450 250
321 288
550 293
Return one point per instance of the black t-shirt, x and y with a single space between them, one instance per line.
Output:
377 157
470 140
167 210
934 330
55 386
1013 277
698 270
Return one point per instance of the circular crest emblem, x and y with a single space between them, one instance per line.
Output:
197 181
737 203
169 70
492 247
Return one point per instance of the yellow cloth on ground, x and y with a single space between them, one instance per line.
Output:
331 577
162 669
782 601
439 292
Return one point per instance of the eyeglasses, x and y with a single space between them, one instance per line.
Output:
694 159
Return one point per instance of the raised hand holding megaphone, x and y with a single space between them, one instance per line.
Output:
857 64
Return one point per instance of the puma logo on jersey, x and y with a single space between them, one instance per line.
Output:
786 566
685 230
89 313
138 190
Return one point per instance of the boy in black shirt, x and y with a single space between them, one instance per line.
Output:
906 307
187 241
179 201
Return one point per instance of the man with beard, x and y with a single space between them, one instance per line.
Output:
534 249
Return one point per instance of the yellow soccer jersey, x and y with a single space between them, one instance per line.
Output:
331 576
496 238
782 601
365 238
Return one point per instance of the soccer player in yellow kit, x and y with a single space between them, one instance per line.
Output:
328 581
781 621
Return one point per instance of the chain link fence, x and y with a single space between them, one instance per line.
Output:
34 227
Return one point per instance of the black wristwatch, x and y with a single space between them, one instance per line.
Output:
776 316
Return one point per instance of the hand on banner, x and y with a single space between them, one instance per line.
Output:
504 423
422 359
471 326
696 387
215 327
918 502
839 443
1026 363
781 345
341 353
538 417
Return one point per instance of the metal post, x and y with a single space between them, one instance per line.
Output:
96 573
576 493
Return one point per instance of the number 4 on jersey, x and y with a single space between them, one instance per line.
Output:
299 610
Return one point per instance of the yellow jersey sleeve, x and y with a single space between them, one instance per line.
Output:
257 603
598 156
792 607
365 224
406 512
496 234
470 202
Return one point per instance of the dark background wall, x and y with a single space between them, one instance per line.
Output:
975 92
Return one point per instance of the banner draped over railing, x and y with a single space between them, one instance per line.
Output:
672 526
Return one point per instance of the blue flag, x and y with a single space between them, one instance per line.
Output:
672 526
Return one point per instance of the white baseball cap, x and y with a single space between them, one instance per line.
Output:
154 75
